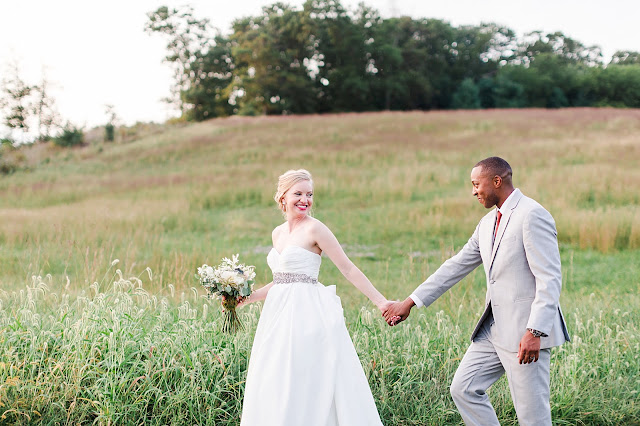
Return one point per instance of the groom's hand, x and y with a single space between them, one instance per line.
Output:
529 350
398 311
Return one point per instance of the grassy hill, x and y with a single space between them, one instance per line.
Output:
398 181
394 188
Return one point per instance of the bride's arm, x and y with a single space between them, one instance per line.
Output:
257 295
329 244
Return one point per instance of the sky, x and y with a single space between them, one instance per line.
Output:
97 53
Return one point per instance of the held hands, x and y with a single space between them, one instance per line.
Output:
385 306
529 350
397 312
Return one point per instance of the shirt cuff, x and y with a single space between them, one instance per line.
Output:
417 301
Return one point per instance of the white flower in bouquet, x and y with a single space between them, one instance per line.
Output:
230 281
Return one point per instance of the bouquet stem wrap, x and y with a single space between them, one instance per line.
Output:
230 319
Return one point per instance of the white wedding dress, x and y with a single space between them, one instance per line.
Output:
304 370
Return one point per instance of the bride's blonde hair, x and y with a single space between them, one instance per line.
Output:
286 181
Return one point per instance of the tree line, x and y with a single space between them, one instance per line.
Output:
323 57
30 114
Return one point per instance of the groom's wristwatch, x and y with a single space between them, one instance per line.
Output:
536 333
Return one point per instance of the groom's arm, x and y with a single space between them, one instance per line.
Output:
541 248
447 275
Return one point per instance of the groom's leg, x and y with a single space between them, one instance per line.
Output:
529 385
478 370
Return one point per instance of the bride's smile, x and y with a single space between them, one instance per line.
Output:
299 199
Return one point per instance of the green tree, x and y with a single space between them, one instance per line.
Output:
16 102
507 93
271 53
323 58
568 50
557 99
28 110
212 72
467 96
541 76
385 64
339 56
44 110
471 51
434 43
502 46
201 61
625 57
486 92
412 60
619 86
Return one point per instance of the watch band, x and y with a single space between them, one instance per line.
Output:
536 333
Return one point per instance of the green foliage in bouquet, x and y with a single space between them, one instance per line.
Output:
231 282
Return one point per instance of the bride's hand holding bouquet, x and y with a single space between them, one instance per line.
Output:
232 283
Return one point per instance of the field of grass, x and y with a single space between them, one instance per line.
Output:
85 338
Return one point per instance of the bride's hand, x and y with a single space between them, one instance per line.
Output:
384 306
243 301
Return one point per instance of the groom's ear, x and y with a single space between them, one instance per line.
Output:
497 181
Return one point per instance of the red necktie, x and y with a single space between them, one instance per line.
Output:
495 233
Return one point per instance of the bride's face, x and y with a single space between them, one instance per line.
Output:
299 199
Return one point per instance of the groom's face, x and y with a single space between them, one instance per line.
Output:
483 188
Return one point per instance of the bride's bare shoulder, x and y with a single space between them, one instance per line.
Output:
317 226
277 231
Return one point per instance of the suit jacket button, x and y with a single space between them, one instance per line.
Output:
492 282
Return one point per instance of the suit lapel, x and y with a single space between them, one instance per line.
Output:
504 222
487 235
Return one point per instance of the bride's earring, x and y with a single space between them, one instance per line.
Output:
284 206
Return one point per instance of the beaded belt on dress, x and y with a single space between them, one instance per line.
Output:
292 277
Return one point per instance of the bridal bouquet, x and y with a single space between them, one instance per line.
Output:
232 282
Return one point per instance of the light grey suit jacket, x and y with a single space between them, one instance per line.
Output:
523 273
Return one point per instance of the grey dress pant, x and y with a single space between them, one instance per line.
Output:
483 364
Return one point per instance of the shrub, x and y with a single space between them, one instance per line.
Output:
109 132
250 109
10 158
71 136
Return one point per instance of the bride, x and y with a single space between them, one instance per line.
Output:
304 369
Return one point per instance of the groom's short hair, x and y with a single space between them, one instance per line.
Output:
495 166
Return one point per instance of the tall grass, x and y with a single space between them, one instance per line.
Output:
118 354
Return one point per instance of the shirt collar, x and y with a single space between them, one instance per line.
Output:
508 203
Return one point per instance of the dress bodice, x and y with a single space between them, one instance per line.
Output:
295 259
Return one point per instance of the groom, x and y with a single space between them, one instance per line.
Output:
517 245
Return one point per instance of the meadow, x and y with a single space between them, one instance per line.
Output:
102 320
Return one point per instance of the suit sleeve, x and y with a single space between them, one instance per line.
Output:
541 248
450 273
